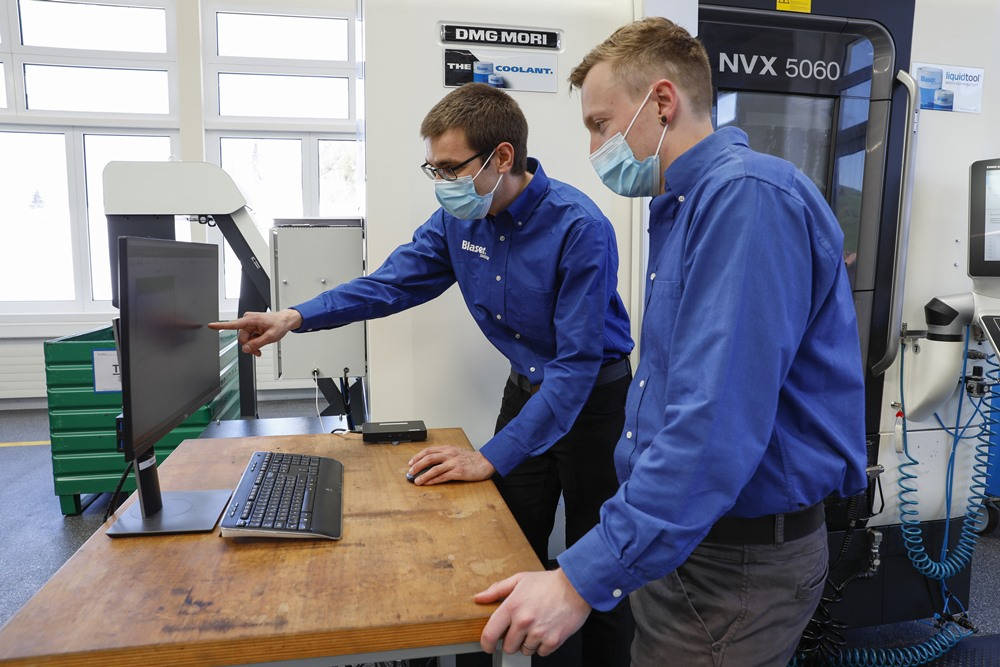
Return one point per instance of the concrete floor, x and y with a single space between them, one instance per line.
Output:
35 539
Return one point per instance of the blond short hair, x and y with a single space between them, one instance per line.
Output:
652 48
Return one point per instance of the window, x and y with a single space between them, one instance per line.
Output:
283 96
270 36
99 149
296 69
36 260
340 186
62 88
73 25
281 104
81 83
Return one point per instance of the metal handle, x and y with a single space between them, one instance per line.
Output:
902 223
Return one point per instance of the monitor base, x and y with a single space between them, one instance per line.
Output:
183 512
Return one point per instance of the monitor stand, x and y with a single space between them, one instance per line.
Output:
156 513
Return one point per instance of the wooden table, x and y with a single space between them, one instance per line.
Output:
399 584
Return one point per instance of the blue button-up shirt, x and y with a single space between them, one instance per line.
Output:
540 279
748 399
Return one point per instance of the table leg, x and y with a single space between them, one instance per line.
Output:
501 659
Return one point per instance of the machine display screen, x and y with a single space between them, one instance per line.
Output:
984 219
991 215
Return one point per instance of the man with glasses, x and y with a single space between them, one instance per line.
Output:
537 264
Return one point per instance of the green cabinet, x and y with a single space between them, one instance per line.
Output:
82 421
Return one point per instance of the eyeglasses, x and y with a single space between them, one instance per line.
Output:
447 173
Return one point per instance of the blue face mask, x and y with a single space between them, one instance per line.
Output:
459 197
615 163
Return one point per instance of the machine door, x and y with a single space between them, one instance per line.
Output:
814 90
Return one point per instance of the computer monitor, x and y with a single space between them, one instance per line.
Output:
984 219
148 226
169 358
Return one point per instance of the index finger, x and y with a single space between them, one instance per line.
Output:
423 453
230 324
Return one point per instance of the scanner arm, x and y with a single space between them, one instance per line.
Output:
933 367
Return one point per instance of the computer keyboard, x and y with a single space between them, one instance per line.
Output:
286 495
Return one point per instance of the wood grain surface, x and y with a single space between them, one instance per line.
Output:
403 575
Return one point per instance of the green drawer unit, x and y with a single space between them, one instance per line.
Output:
82 420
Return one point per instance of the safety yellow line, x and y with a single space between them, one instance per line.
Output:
25 444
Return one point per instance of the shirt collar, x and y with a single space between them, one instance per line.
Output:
691 165
524 204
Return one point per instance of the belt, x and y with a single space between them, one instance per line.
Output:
771 529
609 372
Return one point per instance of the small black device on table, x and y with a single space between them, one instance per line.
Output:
402 431
287 495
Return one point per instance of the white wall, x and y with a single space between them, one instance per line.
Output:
953 33
432 362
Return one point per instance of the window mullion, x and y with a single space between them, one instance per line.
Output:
79 224
310 175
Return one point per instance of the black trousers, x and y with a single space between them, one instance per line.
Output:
580 466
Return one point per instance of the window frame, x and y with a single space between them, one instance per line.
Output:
42 317
15 56
170 18
76 173
309 175
214 64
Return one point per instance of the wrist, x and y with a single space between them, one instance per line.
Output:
292 318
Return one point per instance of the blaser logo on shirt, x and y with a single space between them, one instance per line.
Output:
471 247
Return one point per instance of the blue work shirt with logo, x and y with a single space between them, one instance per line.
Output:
748 399
540 279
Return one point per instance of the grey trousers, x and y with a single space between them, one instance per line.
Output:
731 606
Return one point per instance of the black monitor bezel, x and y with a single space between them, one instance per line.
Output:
136 445
979 267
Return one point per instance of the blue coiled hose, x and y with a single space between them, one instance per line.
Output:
905 656
950 632
913 538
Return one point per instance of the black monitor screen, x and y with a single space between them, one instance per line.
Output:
168 292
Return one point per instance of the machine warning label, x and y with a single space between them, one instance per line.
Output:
804 6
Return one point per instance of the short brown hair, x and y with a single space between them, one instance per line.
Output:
488 116
654 46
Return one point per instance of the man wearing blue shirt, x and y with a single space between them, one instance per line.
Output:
537 264
746 409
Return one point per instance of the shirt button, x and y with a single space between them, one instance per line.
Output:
503 238
652 276
531 370
517 336
519 223
498 278
628 435
642 383
498 316
617 593
680 198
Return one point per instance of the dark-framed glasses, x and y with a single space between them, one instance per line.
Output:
447 173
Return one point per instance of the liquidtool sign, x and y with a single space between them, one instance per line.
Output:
513 70
949 88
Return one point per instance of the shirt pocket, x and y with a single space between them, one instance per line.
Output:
532 312
659 321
